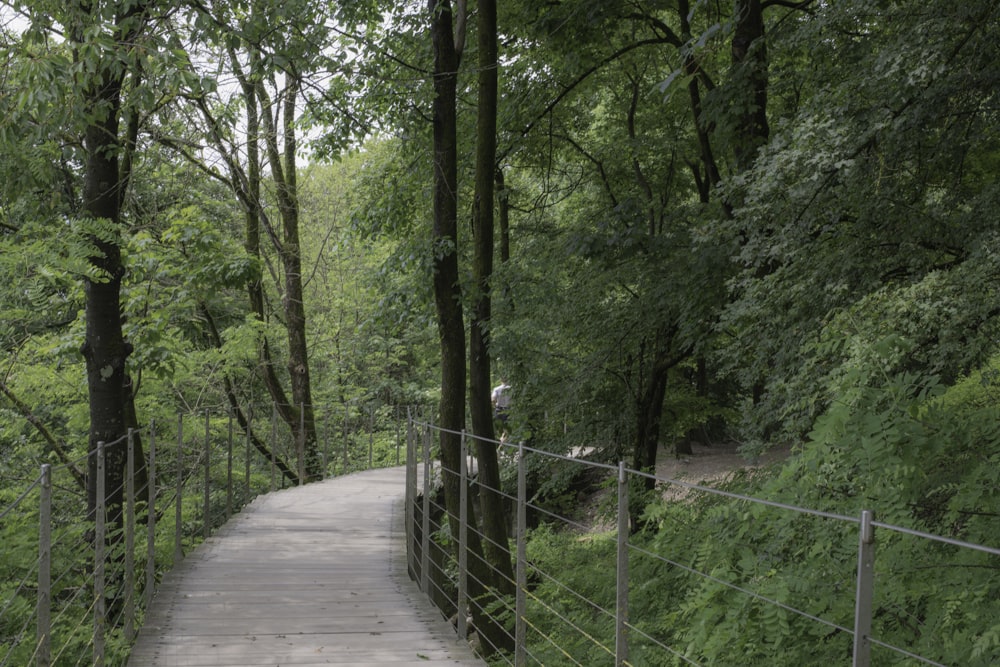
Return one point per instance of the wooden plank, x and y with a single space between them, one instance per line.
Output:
313 575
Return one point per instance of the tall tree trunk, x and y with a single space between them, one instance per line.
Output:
104 348
692 68
749 51
300 416
503 200
447 299
494 519
649 415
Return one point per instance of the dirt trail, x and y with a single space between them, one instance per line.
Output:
709 465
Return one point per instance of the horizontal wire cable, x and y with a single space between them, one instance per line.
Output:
14 505
569 590
904 652
568 622
937 538
683 657
756 596
551 641
568 522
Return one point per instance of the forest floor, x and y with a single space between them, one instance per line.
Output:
711 464
707 465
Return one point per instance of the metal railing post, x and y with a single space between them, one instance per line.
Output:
246 458
325 449
399 434
99 537
463 541
425 519
206 523
274 442
371 437
130 578
229 469
865 592
179 496
411 494
301 443
150 520
621 583
43 623
346 459
520 599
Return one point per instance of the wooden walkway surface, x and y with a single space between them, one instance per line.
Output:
314 575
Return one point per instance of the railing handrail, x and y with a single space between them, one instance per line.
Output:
861 632
190 456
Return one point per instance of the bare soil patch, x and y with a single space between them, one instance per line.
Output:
710 465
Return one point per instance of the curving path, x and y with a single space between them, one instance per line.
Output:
313 575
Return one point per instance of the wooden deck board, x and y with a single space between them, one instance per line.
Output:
314 575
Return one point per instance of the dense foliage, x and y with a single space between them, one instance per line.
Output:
760 221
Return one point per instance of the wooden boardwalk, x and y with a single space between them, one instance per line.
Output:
314 575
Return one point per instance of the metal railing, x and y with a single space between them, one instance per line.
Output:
79 597
604 630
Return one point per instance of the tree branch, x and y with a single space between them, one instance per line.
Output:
501 155
58 447
786 3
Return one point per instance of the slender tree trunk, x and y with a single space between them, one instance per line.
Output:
649 415
692 68
503 201
295 314
494 519
749 51
299 416
451 328
248 190
105 349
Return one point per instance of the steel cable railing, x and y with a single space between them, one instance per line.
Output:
69 595
602 620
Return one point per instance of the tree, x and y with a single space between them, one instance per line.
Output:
494 518
271 70
104 43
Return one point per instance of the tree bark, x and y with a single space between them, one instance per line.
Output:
283 172
105 350
494 519
447 300
749 51
503 200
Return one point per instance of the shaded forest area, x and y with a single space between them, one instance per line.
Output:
766 222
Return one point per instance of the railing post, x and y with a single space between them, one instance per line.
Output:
399 435
229 469
179 496
150 519
325 449
520 599
301 443
99 529
274 441
44 618
411 494
621 584
130 578
246 460
865 591
425 520
206 523
463 541
346 415
371 436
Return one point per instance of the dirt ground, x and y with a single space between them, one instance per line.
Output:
709 465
